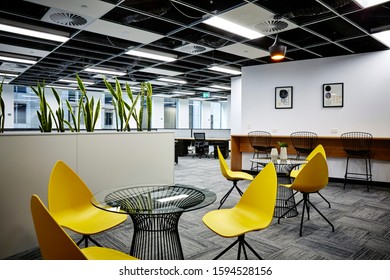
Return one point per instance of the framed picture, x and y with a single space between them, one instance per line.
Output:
333 95
283 97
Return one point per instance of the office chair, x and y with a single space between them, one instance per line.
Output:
69 201
253 212
312 178
294 173
261 144
201 146
303 142
357 145
230 175
56 244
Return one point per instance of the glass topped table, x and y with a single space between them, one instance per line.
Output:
285 198
155 211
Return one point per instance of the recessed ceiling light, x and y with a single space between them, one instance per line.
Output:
369 3
33 33
233 27
221 87
20 60
105 71
152 55
183 92
384 37
171 80
225 69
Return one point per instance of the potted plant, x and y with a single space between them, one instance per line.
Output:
283 150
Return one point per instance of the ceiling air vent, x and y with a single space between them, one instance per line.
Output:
271 26
65 18
192 49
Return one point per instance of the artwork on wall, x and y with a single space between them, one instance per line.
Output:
333 95
283 97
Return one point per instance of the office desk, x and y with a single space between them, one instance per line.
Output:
155 211
285 198
184 142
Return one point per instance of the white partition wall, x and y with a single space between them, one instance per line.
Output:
101 159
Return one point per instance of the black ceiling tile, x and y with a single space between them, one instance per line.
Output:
301 37
342 6
23 8
336 29
140 21
27 42
300 54
212 7
329 50
365 44
373 19
103 40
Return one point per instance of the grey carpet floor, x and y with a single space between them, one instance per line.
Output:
361 221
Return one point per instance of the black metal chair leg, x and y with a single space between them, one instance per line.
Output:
289 210
250 248
324 198
227 249
322 215
303 214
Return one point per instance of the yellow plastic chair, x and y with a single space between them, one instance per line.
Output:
312 178
230 175
253 212
294 173
56 244
69 201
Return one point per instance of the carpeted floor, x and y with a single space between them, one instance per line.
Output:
361 220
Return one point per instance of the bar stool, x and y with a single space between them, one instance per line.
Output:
304 142
261 144
357 145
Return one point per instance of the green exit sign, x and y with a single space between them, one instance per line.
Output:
206 94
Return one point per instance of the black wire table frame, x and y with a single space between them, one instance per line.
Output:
285 198
155 211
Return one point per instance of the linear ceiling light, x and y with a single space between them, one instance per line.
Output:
225 69
75 82
33 33
183 92
221 87
8 75
152 55
369 3
20 60
105 71
384 37
171 80
233 27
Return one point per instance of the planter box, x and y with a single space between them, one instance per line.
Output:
102 160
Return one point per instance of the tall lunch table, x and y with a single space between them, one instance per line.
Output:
285 198
155 211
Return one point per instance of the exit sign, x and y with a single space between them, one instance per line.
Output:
206 94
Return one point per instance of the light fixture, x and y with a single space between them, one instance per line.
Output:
104 71
8 75
19 60
74 82
182 92
277 51
221 87
171 80
225 69
33 33
383 36
370 3
233 27
152 54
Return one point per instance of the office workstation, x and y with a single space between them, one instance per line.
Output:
326 86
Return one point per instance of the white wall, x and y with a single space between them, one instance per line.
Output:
101 159
206 112
158 112
183 113
366 79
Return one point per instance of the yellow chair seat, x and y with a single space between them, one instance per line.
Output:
253 212
100 253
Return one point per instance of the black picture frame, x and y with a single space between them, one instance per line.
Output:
333 95
284 97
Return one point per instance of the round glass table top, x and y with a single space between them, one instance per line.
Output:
153 199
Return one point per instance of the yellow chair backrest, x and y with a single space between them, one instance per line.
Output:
225 170
313 176
54 242
260 196
318 149
66 190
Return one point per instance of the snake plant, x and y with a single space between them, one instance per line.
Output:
45 113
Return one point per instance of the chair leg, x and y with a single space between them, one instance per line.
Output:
223 199
346 173
241 245
322 215
85 238
289 210
324 198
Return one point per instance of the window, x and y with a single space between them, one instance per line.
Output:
108 118
195 114
20 110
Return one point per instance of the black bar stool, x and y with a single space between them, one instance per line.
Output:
357 145
261 144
